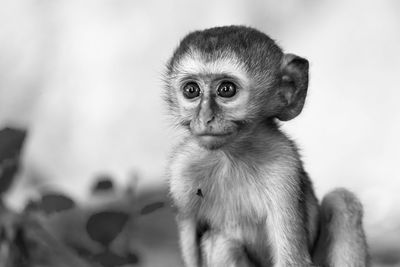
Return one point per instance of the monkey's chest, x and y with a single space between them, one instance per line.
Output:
237 212
230 204
230 198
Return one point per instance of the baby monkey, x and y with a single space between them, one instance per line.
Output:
242 195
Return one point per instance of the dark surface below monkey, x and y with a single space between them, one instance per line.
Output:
242 195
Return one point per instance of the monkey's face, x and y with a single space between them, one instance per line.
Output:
222 82
212 98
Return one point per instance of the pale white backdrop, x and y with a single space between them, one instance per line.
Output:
85 78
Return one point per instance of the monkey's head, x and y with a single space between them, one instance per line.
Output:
222 82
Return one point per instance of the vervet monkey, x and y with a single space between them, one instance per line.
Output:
242 195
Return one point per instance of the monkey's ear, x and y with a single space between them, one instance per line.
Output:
294 84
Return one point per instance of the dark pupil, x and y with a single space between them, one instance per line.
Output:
226 89
191 90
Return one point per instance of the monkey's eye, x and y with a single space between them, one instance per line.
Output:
191 90
226 89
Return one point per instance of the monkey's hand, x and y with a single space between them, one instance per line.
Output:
219 250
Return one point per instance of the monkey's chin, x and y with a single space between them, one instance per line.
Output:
213 142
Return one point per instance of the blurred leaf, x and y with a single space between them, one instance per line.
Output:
104 226
151 207
32 205
132 258
8 169
20 243
103 183
55 202
11 141
109 259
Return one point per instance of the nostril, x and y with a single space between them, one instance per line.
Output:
210 120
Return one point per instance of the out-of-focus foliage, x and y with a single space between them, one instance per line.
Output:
53 231
105 235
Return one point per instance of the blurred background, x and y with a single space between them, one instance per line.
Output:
84 78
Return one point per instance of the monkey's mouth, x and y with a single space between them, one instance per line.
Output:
213 134
213 140
210 136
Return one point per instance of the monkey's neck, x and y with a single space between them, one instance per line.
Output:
266 141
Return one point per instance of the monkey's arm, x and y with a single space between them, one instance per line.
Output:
188 242
287 232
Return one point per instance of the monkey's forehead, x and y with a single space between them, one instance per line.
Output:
196 63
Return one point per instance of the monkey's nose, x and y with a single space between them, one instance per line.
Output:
206 121
204 124
206 116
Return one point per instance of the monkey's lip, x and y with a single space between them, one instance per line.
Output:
211 138
213 134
